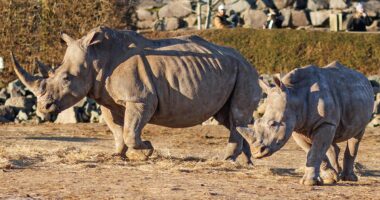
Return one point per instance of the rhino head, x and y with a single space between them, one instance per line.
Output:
60 88
275 127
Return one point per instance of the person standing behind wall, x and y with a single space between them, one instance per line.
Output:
359 20
220 19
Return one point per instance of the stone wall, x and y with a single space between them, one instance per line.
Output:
175 14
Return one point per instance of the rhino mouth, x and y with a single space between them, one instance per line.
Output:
262 152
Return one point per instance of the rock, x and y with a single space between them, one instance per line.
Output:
338 4
147 24
95 117
254 18
2 67
210 121
180 8
299 18
67 116
149 4
376 107
280 4
319 18
262 4
22 116
16 88
374 26
287 13
3 95
317 4
375 122
300 4
144 14
7 114
237 6
171 24
190 20
372 8
20 103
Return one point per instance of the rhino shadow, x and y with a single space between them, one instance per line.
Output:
285 172
64 139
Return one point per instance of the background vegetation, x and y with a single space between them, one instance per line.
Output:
32 30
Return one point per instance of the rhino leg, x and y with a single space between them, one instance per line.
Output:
326 171
352 147
333 155
137 115
236 143
115 124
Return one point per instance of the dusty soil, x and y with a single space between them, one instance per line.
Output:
74 161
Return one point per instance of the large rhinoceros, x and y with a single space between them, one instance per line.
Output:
319 107
176 82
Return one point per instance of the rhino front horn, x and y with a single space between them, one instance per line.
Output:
28 80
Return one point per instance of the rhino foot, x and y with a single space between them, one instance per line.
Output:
310 181
349 177
140 153
329 176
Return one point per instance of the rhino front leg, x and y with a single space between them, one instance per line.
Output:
115 124
321 140
327 172
352 147
136 117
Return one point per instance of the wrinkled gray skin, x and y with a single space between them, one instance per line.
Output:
176 82
319 107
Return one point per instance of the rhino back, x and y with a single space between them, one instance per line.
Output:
191 79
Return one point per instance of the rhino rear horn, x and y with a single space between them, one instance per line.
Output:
44 70
30 81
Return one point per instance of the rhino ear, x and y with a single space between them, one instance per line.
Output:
264 85
279 83
94 38
67 38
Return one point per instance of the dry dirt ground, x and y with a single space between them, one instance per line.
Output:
52 161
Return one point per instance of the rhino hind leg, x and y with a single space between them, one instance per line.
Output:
115 124
350 153
136 117
236 143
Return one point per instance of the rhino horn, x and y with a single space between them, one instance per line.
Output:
44 70
265 86
247 133
32 82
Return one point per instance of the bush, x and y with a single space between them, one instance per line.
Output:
32 30
275 51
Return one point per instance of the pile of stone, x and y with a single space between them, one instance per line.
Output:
175 14
18 104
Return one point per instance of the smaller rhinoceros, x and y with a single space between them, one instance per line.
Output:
319 107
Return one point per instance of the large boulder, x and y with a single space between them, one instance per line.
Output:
21 103
254 18
190 20
180 8
145 14
317 4
300 4
299 18
16 88
237 6
145 24
280 4
372 7
172 23
319 18
338 4
287 13
262 4
7 114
